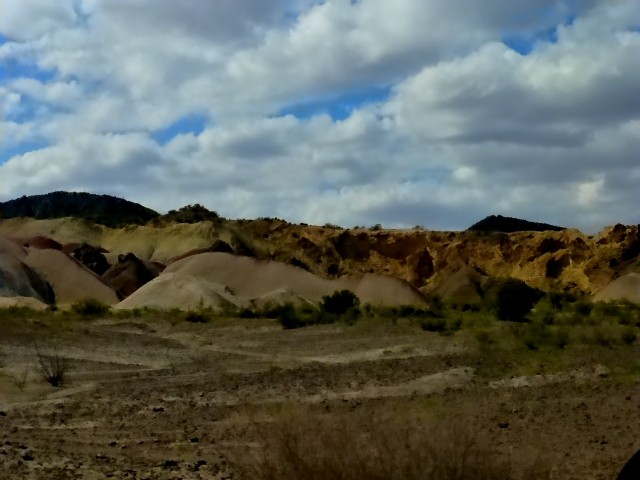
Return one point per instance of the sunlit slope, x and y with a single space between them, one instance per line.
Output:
565 259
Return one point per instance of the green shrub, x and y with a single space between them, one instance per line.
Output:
560 338
437 307
513 299
455 324
582 308
90 308
288 317
601 337
544 312
197 317
340 302
434 325
248 313
628 336
536 335
485 338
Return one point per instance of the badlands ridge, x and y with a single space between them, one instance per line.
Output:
242 263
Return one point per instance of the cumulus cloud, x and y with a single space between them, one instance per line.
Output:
470 126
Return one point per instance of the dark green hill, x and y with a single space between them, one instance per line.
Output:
188 214
498 223
102 209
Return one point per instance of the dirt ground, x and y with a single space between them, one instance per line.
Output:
151 398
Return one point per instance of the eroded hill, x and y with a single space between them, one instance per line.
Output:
567 259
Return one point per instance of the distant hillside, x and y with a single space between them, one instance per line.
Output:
498 223
102 209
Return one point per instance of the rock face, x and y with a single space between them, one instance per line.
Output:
558 260
19 280
91 257
130 273
41 243
71 281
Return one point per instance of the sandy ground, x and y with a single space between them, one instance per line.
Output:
146 398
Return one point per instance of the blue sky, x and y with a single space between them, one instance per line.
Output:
339 107
346 112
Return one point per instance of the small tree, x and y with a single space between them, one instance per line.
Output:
340 302
512 299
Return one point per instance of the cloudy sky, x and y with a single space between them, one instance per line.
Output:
353 112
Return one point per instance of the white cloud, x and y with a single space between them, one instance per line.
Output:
471 127
30 19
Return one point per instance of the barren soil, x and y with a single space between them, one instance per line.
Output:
151 398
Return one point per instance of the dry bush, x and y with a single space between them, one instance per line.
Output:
19 380
323 447
52 368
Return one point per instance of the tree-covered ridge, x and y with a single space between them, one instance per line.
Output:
102 209
498 223
188 214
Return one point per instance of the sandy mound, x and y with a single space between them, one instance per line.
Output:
218 246
464 286
11 248
249 277
62 230
19 280
22 302
129 274
626 287
40 242
380 290
71 281
172 290
160 244
280 297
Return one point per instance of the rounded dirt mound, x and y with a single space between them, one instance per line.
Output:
249 277
380 290
71 281
22 302
626 287
281 297
11 248
19 280
252 278
172 290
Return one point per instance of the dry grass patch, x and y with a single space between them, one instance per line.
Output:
357 447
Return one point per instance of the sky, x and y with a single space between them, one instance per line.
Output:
351 112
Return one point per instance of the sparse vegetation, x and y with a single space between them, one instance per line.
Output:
197 317
189 214
340 302
52 368
363 448
90 308
19 380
